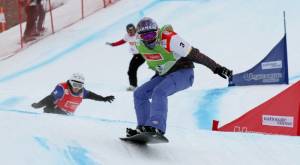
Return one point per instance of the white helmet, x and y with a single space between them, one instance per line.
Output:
77 77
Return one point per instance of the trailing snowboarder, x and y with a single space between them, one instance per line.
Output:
68 95
172 58
137 60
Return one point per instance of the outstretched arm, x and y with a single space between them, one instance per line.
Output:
47 101
181 48
117 43
196 56
94 96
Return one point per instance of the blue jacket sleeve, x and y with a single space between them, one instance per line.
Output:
85 93
58 92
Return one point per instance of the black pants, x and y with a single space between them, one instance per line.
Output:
41 17
31 12
54 110
136 61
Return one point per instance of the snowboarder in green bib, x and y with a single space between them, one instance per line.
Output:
172 59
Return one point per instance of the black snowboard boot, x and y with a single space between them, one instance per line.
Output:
152 130
132 132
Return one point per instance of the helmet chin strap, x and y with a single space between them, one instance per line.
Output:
150 44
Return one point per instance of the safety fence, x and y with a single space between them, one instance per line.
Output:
2 20
37 21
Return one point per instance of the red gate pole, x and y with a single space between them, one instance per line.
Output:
51 16
20 23
215 125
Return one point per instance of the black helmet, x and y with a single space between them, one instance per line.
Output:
146 25
130 27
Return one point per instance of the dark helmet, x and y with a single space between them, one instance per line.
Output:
130 27
146 25
148 31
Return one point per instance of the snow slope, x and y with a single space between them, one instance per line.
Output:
235 33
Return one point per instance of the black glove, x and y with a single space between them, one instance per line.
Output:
223 72
36 105
109 98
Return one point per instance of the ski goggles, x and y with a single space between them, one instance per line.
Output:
76 84
148 36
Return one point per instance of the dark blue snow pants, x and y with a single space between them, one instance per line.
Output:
151 99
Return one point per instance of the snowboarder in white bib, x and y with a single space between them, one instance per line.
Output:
172 59
136 61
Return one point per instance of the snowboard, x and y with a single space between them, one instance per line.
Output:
146 138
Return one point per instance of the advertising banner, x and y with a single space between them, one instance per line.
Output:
273 69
